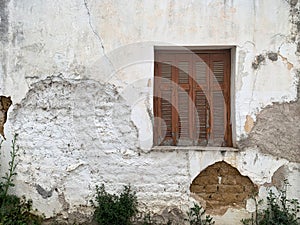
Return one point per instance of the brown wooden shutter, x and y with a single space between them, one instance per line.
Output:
184 64
201 92
163 100
192 98
219 106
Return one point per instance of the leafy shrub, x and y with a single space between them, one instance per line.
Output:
196 216
112 209
15 210
279 211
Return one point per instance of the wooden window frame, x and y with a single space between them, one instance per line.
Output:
210 88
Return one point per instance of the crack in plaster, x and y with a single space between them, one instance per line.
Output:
97 35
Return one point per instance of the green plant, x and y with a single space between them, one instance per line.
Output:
279 210
15 210
111 209
196 216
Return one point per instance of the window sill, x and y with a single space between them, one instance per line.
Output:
194 148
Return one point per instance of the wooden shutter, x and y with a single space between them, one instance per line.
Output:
201 93
192 95
184 65
163 100
219 106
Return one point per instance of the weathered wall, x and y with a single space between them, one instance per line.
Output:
80 76
221 186
280 125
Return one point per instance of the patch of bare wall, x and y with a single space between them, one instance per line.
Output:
5 103
222 186
60 122
58 109
277 131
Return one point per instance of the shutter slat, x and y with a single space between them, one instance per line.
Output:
166 72
201 68
201 117
218 71
183 113
166 112
218 130
183 70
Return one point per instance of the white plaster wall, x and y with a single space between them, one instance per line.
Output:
89 44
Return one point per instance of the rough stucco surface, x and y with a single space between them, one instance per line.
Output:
67 111
277 131
80 75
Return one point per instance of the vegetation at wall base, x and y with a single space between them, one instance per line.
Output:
197 216
15 210
111 209
279 211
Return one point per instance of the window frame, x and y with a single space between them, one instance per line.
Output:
227 57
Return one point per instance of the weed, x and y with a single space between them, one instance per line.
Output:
112 209
15 210
279 211
196 216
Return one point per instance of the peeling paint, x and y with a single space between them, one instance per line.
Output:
5 103
277 131
273 56
249 124
44 193
258 60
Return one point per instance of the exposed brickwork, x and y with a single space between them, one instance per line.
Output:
221 186
5 103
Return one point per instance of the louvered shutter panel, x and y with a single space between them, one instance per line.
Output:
192 98
184 64
164 95
218 106
201 120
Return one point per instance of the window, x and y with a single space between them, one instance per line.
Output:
192 98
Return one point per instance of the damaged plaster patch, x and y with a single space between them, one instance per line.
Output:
277 131
5 103
249 123
258 60
61 123
273 56
222 186
75 114
279 176
44 193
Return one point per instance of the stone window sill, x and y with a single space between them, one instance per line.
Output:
194 148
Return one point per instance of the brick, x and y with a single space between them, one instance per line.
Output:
234 188
231 188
